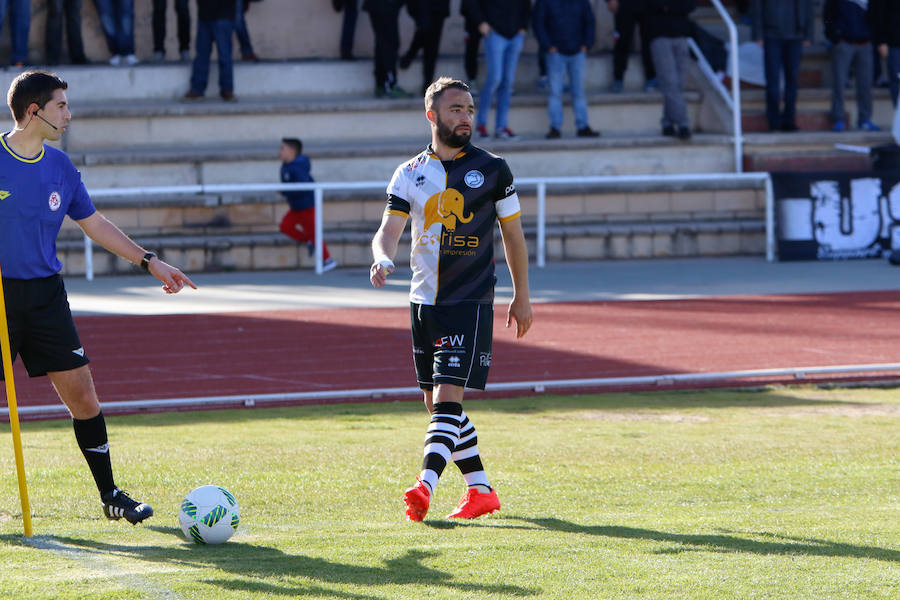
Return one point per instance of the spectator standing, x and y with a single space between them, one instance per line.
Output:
473 43
117 21
242 33
668 27
57 10
429 16
627 16
183 19
215 22
502 24
384 15
300 221
782 28
885 19
348 25
847 28
19 28
566 29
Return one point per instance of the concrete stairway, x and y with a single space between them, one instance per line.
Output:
130 128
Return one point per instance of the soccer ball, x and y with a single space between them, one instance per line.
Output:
209 514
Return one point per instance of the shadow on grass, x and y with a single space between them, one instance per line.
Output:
254 565
728 541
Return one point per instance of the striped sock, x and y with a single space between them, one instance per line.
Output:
466 456
443 433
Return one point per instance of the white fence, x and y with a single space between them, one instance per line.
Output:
132 195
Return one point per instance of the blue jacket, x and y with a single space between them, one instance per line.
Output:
566 25
297 171
847 21
782 19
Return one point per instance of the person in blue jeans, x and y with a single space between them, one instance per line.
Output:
566 29
885 18
782 28
242 33
847 27
215 22
502 23
19 28
117 21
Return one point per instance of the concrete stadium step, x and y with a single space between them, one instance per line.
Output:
149 123
814 107
209 233
810 151
304 78
376 161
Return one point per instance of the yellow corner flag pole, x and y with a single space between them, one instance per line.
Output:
13 411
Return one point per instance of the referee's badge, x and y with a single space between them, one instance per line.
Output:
55 201
474 179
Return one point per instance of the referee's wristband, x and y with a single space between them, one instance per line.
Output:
145 262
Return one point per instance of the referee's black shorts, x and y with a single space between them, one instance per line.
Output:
452 344
41 329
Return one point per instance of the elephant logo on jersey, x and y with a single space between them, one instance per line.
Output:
446 208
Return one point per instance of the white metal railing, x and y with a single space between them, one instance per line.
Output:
734 101
133 195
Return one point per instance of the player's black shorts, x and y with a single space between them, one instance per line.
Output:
41 328
452 344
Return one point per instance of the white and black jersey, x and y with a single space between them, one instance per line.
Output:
454 206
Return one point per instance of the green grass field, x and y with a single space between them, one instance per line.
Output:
783 493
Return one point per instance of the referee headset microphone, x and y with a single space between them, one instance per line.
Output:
35 113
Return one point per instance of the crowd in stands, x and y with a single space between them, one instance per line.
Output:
860 35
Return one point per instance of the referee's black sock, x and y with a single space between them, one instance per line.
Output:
91 437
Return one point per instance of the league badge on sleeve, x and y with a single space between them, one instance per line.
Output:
55 201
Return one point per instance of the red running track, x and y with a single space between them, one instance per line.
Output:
175 356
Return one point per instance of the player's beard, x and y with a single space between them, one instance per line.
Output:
449 137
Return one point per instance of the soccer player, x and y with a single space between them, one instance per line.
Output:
455 194
39 186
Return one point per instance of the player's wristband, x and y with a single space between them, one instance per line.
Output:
384 261
145 262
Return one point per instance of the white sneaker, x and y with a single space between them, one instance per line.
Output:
116 60
132 60
329 265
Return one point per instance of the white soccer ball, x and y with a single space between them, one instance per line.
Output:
209 514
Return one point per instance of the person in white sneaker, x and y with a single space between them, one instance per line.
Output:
117 21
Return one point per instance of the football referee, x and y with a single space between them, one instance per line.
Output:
39 186
454 193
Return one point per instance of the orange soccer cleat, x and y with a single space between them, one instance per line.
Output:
417 499
473 504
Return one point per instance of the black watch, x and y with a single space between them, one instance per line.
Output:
145 262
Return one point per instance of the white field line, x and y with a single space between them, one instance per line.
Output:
97 562
250 400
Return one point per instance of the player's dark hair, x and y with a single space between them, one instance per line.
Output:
441 85
32 87
294 143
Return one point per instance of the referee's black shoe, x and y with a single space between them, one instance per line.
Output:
117 504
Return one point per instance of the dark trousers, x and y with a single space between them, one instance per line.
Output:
183 16
387 44
429 40
348 27
626 20
473 42
208 32
782 55
71 10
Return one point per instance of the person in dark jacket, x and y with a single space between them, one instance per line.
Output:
429 16
473 43
215 22
566 29
628 17
299 223
384 15
502 23
847 28
782 28
884 15
183 20
668 27
71 10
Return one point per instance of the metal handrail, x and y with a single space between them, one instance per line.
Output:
735 86
541 183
